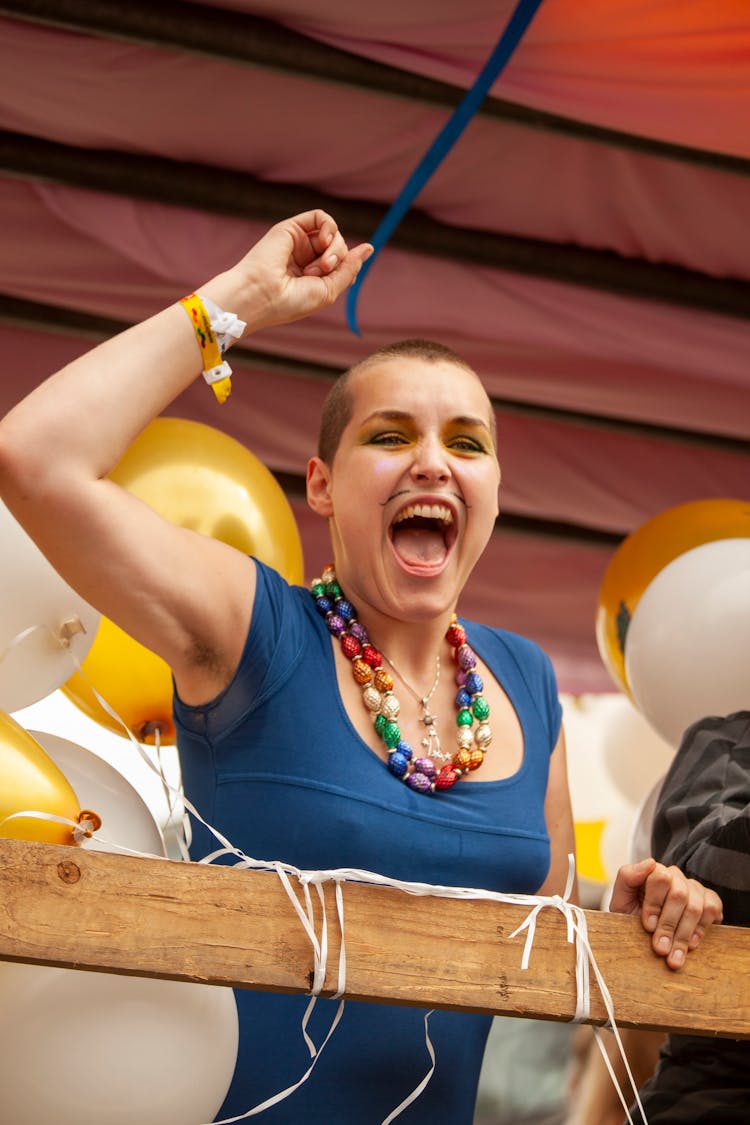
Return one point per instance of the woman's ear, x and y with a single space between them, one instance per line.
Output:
319 487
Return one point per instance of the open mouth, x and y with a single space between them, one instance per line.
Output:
423 534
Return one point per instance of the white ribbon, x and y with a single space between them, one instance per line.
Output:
226 326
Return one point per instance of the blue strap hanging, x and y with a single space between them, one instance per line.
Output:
519 21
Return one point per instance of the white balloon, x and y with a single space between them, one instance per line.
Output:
687 649
80 1045
593 791
127 821
616 841
639 844
634 754
83 1046
33 594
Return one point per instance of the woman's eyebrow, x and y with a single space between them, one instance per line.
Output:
388 416
405 416
470 420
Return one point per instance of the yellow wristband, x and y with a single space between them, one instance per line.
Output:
216 372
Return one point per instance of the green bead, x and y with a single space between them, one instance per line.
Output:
391 734
481 708
380 721
464 717
333 590
318 590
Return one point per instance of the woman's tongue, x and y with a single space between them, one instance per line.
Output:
417 546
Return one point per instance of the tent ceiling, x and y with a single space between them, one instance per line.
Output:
585 245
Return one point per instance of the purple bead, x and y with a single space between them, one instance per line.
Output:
463 697
359 632
336 624
466 658
345 609
324 604
405 749
398 763
419 782
474 683
460 677
425 766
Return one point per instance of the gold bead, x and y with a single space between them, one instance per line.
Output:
389 705
372 698
465 738
476 757
483 735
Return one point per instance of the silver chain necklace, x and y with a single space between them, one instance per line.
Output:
431 740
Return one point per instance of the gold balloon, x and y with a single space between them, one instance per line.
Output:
589 861
644 553
31 782
196 477
135 682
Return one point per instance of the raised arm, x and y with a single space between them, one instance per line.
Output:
186 597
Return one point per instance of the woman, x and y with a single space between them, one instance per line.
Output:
277 741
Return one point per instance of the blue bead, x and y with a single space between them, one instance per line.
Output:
398 763
345 609
324 604
474 683
405 749
463 698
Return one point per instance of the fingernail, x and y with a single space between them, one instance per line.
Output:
331 261
664 944
651 922
677 957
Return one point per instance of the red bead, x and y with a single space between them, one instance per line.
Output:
456 635
350 646
447 777
371 656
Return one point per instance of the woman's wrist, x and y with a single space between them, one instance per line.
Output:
241 292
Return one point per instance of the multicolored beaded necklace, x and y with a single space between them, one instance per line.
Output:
420 774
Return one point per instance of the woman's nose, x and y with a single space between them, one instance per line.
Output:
430 461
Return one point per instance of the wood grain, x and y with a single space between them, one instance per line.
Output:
221 925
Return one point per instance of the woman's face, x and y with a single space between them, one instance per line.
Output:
411 495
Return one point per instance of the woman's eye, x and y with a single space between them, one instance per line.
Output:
467 445
389 438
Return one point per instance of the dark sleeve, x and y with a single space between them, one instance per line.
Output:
702 817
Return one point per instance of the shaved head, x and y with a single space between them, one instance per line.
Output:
337 408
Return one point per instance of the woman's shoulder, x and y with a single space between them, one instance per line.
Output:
525 653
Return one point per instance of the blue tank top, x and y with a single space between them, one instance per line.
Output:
275 764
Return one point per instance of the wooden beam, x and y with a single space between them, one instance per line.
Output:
222 925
